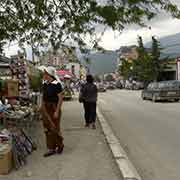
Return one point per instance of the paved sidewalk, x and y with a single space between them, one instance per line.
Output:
86 155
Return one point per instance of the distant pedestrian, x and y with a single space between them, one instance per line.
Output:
88 96
51 112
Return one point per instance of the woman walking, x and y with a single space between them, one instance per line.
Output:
51 112
88 96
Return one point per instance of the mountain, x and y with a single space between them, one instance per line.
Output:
170 45
101 62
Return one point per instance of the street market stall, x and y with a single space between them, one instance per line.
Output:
16 126
18 120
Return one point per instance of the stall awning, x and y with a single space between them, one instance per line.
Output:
64 73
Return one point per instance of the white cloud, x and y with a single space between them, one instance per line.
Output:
161 26
129 36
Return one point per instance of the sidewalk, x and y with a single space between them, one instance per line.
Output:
86 155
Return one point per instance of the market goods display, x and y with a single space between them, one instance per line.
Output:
15 135
19 72
18 114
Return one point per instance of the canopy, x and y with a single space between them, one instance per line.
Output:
64 74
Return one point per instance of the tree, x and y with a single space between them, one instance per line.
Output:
109 77
140 49
71 55
144 70
125 69
57 22
97 78
158 67
35 81
148 67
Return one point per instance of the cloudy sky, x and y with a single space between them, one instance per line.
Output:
161 26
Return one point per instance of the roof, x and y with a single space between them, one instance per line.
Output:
4 60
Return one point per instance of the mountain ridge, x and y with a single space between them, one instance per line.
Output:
170 45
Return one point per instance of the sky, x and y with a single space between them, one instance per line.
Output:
160 28
162 25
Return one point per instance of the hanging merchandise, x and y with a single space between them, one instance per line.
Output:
22 146
19 72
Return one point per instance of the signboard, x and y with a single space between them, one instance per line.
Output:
178 68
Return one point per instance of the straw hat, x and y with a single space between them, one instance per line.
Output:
52 72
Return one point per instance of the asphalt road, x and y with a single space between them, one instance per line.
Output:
149 132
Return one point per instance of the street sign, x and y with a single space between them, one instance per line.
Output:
178 68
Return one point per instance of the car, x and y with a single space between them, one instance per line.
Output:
164 90
136 85
111 85
101 88
119 84
128 85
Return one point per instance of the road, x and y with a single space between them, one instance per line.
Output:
149 132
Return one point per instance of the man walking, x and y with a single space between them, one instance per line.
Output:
88 96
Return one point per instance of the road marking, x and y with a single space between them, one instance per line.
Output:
127 170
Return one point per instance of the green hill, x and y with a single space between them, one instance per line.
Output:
102 62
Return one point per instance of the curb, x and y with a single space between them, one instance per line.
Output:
127 170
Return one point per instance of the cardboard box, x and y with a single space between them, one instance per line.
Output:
5 161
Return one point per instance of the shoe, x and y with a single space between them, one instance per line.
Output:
50 153
87 125
93 126
60 150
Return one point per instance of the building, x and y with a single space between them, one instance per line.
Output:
170 71
127 53
59 58
74 69
5 71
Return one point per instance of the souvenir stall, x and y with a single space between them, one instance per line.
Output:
18 120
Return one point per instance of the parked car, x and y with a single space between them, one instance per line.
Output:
111 85
128 85
101 87
136 85
119 84
164 90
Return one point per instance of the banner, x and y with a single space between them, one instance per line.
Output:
178 68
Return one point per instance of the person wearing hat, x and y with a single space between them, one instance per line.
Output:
51 111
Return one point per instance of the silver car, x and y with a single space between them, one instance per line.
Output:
164 90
